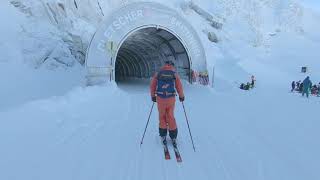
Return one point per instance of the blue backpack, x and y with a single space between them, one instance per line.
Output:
166 84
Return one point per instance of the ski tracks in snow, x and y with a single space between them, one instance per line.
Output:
148 162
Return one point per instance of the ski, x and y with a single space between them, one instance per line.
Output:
166 150
177 153
166 154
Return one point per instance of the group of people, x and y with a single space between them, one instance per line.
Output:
204 78
249 85
201 77
306 87
166 85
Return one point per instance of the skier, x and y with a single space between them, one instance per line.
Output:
306 86
293 86
163 91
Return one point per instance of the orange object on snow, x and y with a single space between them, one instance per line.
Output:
166 105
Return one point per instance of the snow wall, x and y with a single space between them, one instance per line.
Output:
135 41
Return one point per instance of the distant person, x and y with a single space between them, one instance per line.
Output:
253 81
247 87
298 86
242 86
314 90
206 78
293 86
306 86
201 78
194 76
319 89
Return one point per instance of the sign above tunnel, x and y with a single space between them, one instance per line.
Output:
118 26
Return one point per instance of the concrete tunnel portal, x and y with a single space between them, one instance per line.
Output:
145 51
135 41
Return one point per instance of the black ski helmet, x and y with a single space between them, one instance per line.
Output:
169 63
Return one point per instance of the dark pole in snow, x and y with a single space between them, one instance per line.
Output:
188 126
146 125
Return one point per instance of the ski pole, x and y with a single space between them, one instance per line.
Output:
188 126
147 125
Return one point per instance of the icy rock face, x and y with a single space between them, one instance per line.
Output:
255 19
65 27
53 35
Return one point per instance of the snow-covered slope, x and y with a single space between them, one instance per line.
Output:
22 80
87 134
52 128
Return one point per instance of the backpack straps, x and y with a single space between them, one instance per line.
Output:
166 75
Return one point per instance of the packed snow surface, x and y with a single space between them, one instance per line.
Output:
52 127
88 134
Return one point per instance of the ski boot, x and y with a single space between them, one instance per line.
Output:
174 143
164 140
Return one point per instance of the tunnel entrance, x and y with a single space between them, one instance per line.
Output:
134 41
145 51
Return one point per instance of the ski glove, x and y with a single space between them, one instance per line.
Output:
154 99
181 99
